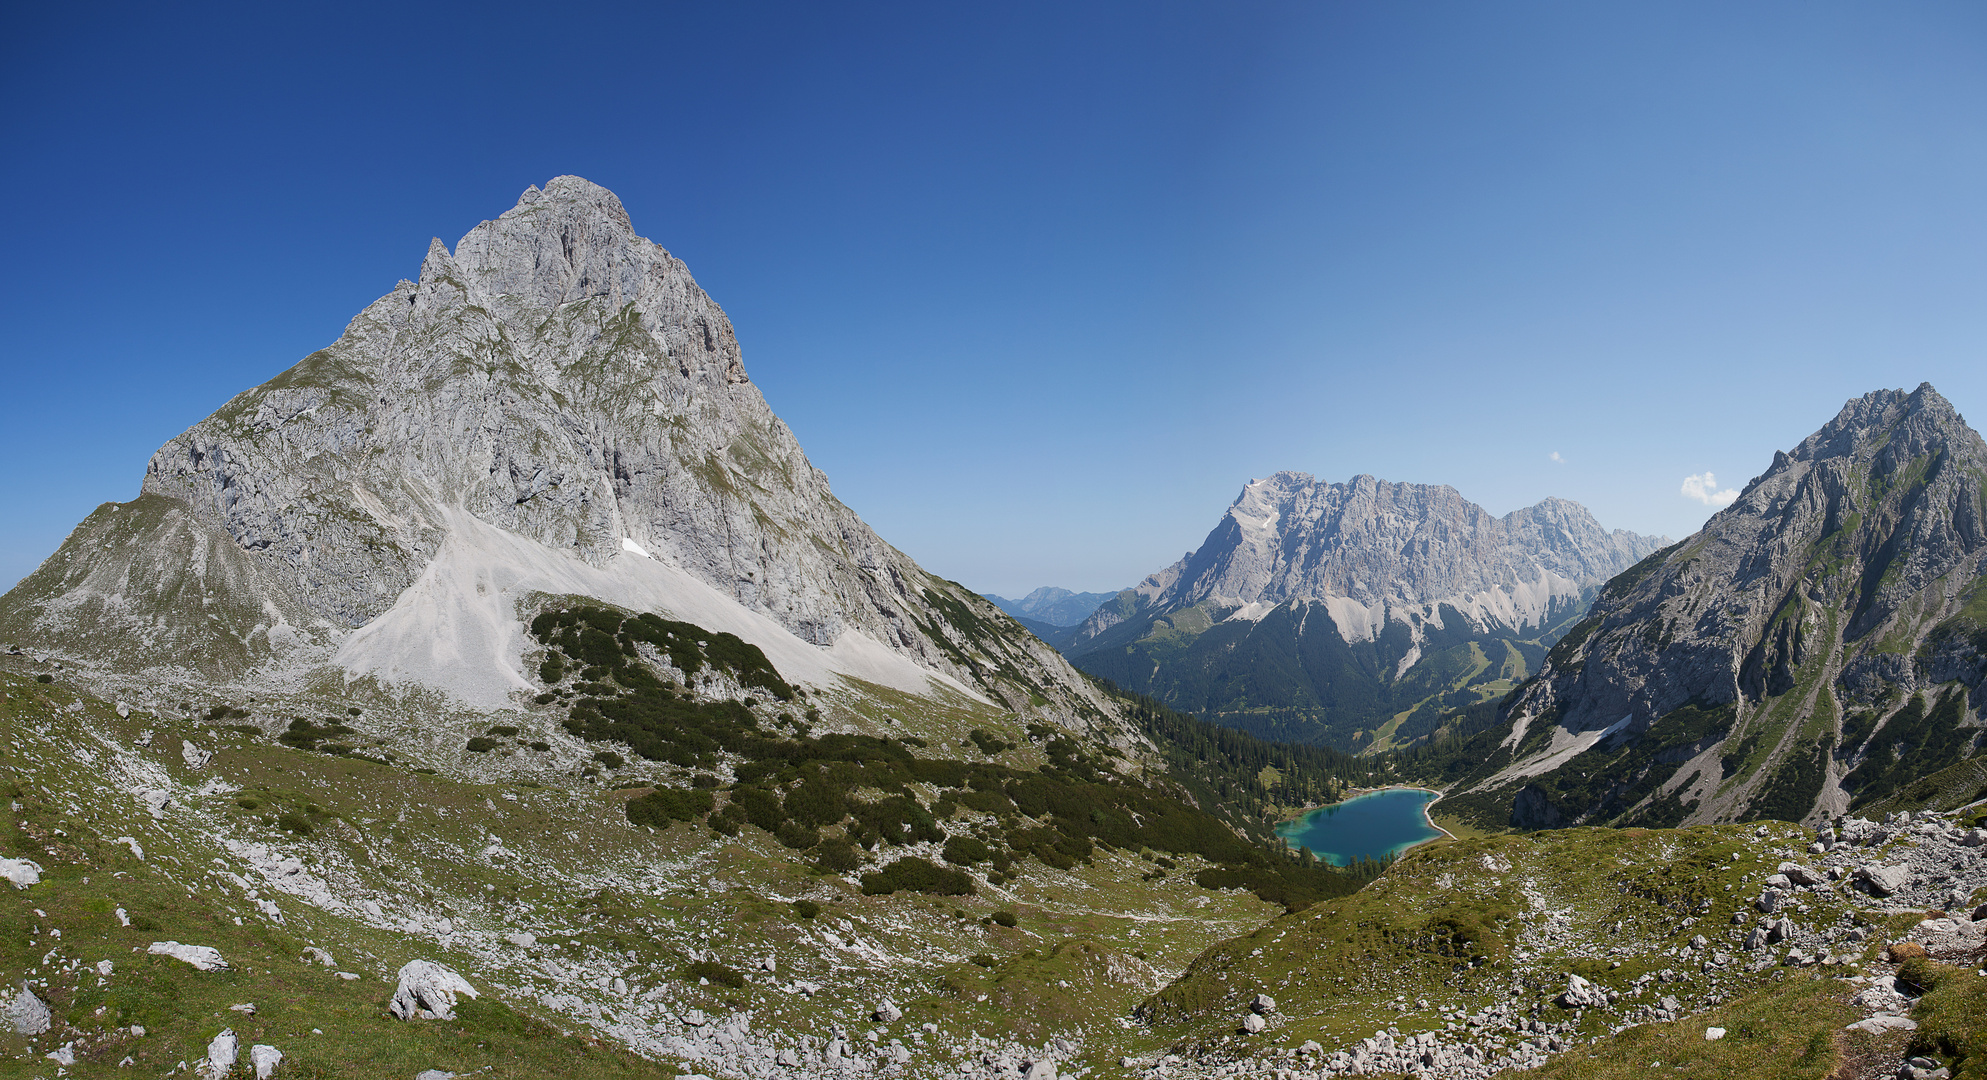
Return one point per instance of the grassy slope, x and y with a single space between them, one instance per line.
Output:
605 898
1446 929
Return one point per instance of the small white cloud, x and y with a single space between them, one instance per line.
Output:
1704 488
1555 456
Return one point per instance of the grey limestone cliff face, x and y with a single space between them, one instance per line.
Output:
556 376
1844 580
1375 551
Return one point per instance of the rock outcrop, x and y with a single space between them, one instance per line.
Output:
553 407
428 990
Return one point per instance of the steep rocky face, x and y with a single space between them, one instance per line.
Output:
555 398
1377 551
1816 644
1337 604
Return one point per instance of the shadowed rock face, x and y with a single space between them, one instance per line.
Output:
1839 580
557 376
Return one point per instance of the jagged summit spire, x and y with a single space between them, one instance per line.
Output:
570 241
555 408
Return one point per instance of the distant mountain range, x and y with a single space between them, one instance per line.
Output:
1052 614
1354 614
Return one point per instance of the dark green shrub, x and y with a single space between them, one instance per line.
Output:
610 759
983 960
541 747
912 874
717 973
722 825
797 836
1005 918
806 909
481 745
503 731
817 801
291 821
836 856
552 670
988 744
663 805
44 678
760 807
966 850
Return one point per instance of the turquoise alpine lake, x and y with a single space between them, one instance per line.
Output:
1376 825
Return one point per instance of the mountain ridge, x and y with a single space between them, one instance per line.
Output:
1822 634
1311 607
1052 605
560 380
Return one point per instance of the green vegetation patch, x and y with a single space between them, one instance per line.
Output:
1787 1032
1611 777
1915 742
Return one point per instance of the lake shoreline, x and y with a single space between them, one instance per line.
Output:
1427 818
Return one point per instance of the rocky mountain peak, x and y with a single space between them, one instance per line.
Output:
1841 578
1391 547
554 408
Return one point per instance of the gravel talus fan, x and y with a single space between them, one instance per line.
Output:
553 407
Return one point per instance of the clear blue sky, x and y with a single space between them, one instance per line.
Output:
1042 286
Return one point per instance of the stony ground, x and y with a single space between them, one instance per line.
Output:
1499 954
680 945
603 949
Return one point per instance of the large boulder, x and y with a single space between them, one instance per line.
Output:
27 1014
22 872
221 1055
202 957
1884 880
428 990
1581 994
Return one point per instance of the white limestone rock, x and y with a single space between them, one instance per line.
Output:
1884 880
264 1058
21 873
202 957
222 1053
27 1014
603 457
428 990
1582 994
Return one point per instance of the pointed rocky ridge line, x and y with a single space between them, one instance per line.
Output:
1375 551
1815 647
1323 612
554 407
